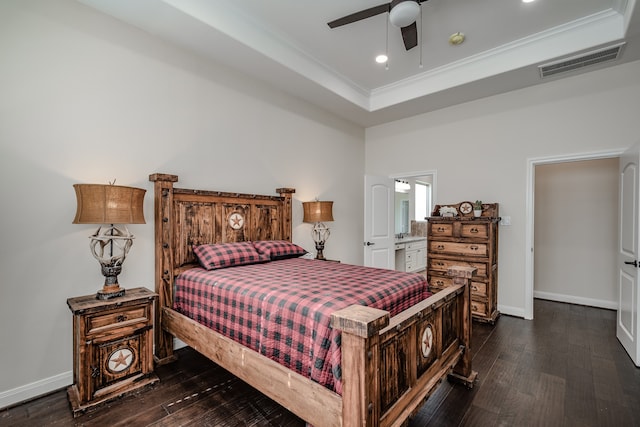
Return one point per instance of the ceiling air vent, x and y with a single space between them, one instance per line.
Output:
580 61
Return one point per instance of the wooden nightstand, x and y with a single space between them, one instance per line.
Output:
112 347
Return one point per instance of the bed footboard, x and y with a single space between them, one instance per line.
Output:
391 365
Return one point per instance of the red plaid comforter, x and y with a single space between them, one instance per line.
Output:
282 309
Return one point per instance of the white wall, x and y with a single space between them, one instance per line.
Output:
480 149
86 99
576 232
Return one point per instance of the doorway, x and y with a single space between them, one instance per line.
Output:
575 232
531 219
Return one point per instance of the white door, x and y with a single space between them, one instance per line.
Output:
627 320
379 239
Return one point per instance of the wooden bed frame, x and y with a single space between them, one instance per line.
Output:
389 365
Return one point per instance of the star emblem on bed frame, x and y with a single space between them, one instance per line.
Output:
427 341
236 221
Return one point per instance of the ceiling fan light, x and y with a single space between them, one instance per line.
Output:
382 59
404 13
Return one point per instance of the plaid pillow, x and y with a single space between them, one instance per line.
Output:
278 249
221 255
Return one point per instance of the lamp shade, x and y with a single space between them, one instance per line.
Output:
317 211
108 204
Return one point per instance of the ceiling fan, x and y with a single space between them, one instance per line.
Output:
402 14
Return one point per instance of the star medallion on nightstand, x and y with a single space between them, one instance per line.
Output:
118 362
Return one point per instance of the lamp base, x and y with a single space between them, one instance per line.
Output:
320 250
109 292
111 288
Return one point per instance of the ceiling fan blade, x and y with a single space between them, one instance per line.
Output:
358 16
410 36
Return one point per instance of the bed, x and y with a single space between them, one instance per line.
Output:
387 358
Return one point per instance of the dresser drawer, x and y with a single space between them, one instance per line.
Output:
443 265
118 318
478 308
454 248
479 289
441 230
439 281
478 231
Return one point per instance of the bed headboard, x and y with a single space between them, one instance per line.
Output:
184 218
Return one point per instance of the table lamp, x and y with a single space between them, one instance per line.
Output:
109 204
318 213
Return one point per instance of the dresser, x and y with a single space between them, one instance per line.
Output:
466 240
112 347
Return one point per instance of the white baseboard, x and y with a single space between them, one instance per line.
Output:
35 389
46 385
571 299
511 311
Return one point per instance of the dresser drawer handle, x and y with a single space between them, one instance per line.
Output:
474 288
121 318
440 264
440 247
474 230
440 230
474 247
474 307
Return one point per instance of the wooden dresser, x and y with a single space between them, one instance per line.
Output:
465 240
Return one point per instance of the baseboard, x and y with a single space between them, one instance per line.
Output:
572 299
38 388
511 311
35 389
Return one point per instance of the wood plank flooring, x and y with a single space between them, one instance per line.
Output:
565 368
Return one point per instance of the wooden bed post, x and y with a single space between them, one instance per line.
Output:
287 225
163 201
462 372
360 328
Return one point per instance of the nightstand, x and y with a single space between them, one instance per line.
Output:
112 347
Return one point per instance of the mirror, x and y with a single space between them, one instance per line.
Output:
413 201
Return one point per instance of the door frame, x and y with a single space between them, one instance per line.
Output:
530 213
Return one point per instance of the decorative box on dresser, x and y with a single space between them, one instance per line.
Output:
112 347
465 240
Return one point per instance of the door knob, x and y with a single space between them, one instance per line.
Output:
369 244
634 263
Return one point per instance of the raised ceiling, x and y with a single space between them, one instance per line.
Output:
288 44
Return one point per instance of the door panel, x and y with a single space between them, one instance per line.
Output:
627 319
379 248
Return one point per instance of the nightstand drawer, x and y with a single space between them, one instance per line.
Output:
118 318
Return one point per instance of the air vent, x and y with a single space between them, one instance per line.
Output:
580 61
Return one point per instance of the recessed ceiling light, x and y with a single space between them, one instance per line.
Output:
528 1
456 38
381 59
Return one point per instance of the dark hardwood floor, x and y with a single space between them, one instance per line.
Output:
565 368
